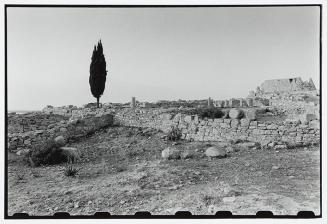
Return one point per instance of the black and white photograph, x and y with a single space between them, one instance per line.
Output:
163 110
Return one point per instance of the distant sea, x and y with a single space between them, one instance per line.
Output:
22 111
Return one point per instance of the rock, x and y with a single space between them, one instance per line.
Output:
251 114
60 140
215 152
63 129
222 144
76 205
228 199
229 149
27 142
236 113
71 153
170 153
271 144
211 209
23 152
280 147
187 154
247 145
314 124
307 117
275 167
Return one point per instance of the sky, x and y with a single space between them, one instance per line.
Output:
156 53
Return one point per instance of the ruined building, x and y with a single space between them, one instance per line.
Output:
287 85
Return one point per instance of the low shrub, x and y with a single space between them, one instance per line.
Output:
70 171
45 153
202 113
211 113
120 168
174 134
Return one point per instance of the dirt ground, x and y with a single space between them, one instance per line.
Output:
121 172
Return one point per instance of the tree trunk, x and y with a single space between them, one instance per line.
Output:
98 102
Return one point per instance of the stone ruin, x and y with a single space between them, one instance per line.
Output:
287 85
302 125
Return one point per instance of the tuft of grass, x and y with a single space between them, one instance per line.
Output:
35 174
174 134
71 171
20 176
120 168
207 199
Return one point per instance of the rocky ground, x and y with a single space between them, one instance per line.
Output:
121 171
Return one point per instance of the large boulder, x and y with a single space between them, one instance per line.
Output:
215 152
72 154
251 114
187 154
171 153
304 118
60 141
314 124
236 113
23 152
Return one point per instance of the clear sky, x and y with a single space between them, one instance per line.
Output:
156 53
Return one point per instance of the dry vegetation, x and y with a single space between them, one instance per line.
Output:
121 171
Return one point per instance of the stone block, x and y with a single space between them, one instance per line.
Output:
244 103
245 122
251 114
235 103
236 113
249 102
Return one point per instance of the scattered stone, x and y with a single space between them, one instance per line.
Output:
271 144
229 149
215 152
228 199
60 140
23 152
280 147
171 153
187 154
211 209
247 145
76 205
275 167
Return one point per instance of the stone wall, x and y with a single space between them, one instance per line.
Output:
32 121
70 129
84 121
223 129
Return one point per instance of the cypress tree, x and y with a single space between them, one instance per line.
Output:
98 72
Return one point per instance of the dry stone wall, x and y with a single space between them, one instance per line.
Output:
69 129
84 121
31 121
223 129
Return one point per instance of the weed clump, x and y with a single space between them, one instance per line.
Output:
70 171
46 153
174 134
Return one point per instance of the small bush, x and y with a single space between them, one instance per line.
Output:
174 134
120 168
211 113
45 153
202 113
70 171
20 176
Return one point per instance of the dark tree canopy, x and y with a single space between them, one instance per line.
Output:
98 72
